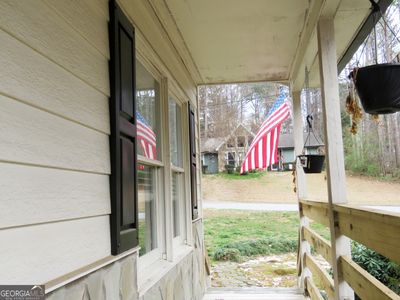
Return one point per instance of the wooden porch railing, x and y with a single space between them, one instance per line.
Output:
376 230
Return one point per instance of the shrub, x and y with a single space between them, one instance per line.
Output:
230 169
378 266
227 254
256 247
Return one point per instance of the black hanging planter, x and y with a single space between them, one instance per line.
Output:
378 87
312 163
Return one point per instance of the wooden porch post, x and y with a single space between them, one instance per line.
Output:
334 148
298 143
301 189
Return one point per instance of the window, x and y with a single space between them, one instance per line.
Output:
143 177
241 141
175 138
175 133
147 183
149 159
230 143
148 114
231 158
177 204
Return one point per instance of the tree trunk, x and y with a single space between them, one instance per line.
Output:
396 133
381 141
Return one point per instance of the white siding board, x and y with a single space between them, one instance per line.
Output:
36 24
40 253
54 143
101 5
32 136
31 195
32 78
90 23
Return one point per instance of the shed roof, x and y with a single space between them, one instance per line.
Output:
286 140
210 144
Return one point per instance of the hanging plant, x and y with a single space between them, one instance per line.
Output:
353 109
378 85
375 118
311 163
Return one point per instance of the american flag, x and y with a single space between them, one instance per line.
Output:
146 137
263 151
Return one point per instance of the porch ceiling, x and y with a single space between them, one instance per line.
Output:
260 40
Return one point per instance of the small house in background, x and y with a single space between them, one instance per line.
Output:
209 155
229 150
286 149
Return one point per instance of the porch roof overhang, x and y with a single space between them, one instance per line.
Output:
228 41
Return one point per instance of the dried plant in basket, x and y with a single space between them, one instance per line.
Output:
353 109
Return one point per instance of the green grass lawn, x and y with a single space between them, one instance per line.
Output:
236 175
236 235
232 234
250 233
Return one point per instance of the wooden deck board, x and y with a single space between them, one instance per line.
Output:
253 294
253 297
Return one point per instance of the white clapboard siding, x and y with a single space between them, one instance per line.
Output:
37 25
101 5
32 136
91 23
30 195
37 254
32 78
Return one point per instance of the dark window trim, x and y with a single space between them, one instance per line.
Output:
193 162
123 225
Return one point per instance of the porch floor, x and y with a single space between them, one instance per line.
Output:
254 294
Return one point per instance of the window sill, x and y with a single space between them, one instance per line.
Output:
147 260
197 220
155 272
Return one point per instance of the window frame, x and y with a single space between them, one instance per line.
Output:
181 239
156 254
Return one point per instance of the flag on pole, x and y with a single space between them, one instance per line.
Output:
263 151
146 137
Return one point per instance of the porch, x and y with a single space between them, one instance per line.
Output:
66 96
254 294
324 49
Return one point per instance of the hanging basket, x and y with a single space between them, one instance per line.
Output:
378 87
312 163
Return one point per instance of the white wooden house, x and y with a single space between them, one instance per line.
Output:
85 208
216 153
